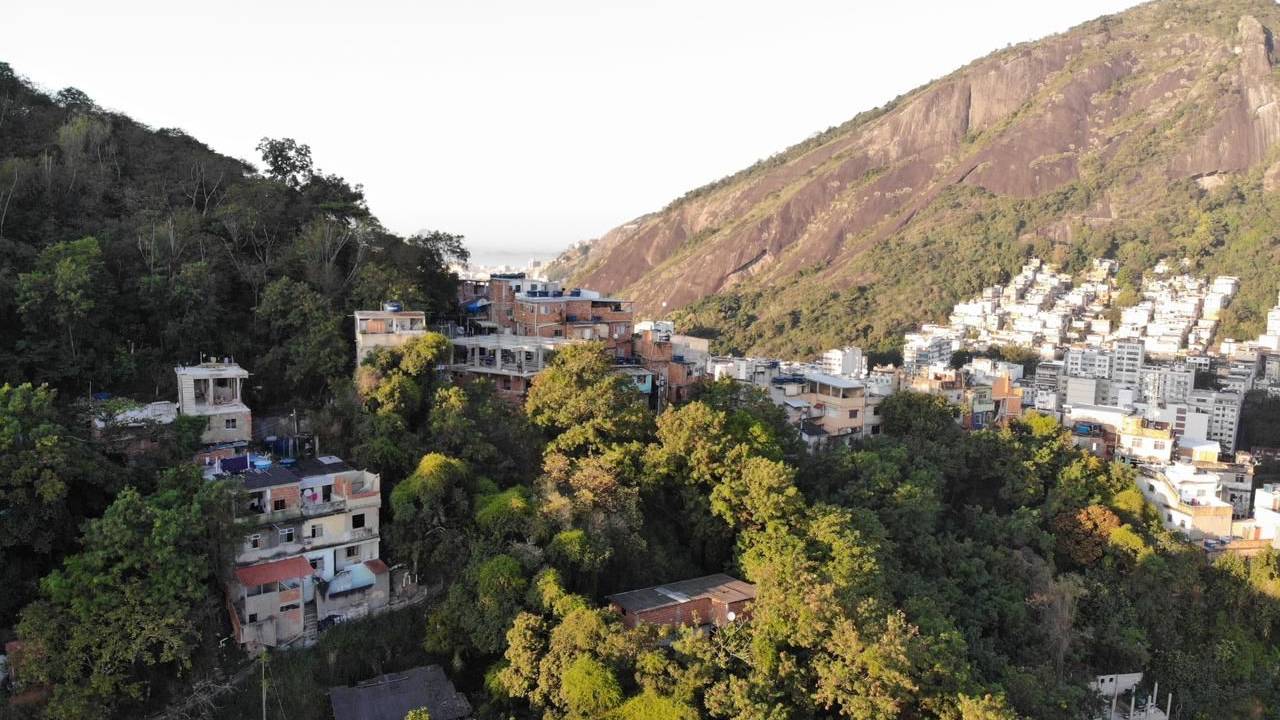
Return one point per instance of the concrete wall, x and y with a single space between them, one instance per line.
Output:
358 603
217 432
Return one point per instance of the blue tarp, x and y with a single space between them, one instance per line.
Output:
239 463
476 305
350 579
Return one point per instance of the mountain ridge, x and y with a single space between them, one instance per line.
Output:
1134 124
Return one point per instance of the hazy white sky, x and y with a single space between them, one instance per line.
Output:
523 125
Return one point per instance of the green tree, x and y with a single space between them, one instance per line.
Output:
475 425
47 483
920 416
652 706
589 689
428 509
307 348
582 405
129 602
287 160
65 291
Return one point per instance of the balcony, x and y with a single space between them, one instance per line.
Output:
271 548
317 509
271 517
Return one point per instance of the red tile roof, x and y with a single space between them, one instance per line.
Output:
287 569
376 566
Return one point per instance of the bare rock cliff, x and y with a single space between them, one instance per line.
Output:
1068 134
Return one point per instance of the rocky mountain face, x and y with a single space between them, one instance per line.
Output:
1146 134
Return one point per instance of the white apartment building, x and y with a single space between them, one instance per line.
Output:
1088 362
1187 499
1223 411
932 346
1126 361
1167 384
848 361
215 391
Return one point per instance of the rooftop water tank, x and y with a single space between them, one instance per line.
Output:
392 306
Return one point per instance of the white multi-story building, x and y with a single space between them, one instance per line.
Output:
845 361
1167 384
215 390
1126 361
933 346
1223 411
1088 362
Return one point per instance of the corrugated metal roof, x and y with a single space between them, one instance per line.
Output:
720 587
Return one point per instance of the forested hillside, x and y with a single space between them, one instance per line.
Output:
929 573
926 573
1151 133
126 250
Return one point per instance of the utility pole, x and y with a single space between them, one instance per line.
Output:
264 684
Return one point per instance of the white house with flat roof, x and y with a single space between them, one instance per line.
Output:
214 390
392 326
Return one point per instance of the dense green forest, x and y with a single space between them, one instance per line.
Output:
928 573
931 573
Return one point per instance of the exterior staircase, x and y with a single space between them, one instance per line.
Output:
310 633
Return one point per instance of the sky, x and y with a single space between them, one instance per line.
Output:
524 126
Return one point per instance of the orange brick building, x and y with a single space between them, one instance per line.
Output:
710 600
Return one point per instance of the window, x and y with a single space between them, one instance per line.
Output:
876 411
317 531
253 617
255 542
357 521
286 535
853 414
277 504
229 423
290 606
317 564
353 551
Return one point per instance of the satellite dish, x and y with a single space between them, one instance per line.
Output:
732 616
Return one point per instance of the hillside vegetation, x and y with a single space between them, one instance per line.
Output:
927 573
126 250
1142 135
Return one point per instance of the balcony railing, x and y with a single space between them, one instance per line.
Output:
272 516
337 504
277 550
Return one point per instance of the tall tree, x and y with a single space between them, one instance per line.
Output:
125 611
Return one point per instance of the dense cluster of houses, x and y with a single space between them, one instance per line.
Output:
514 325
1145 391
310 553
1140 384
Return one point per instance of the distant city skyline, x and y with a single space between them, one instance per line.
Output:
525 128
